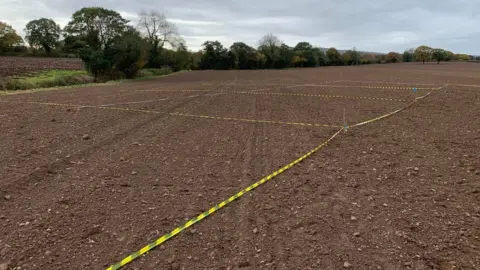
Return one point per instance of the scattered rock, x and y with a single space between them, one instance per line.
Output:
7 197
357 234
255 231
353 218
347 265
4 266
243 264
134 173
416 169
86 137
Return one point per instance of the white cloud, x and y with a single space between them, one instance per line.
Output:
376 25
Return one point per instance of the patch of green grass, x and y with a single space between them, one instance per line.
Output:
50 78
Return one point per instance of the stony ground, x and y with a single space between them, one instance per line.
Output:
90 175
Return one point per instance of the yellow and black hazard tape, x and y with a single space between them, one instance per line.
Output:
373 87
399 110
180 114
281 94
189 223
215 208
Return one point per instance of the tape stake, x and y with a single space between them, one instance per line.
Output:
217 207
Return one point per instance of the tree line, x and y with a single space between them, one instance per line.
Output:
111 47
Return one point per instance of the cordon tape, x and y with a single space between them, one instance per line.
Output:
277 94
212 210
239 194
177 114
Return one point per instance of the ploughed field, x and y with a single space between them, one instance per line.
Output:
10 65
91 175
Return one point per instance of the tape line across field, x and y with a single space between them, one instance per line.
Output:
212 210
277 94
222 204
218 206
178 114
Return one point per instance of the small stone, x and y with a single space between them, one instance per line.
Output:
357 234
4 266
416 169
385 204
7 197
255 231
244 264
353 218
86 137
347 265
48 252
134 173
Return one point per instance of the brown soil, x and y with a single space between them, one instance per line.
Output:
83 187
12 65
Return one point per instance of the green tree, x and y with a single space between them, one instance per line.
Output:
351 57
319 56
308 56
182 58
43 32
334 56
269 45
214 56
423 53
8 37
439 55
286 55
409 55
128 53
97 26
244 56
449 56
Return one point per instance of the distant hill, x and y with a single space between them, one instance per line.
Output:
362 52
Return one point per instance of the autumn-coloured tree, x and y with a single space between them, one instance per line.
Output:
393 57
423 53
8 37
462 57
368 58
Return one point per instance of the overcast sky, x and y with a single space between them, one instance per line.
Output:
369 25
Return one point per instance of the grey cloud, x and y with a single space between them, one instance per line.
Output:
375 25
